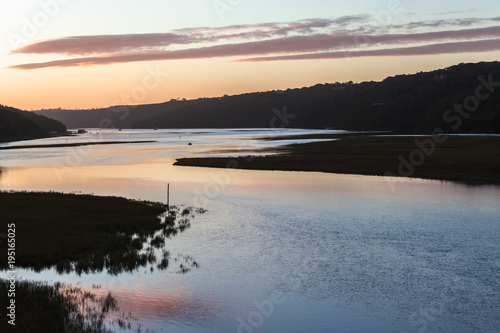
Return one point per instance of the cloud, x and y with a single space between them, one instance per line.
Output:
443 48
307 39
86 45
282 28
102 44
466 22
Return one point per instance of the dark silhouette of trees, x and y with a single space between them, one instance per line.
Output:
21 125
404 103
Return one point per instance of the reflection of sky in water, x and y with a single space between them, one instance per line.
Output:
171 143
348 252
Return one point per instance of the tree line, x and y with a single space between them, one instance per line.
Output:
22 125
414 103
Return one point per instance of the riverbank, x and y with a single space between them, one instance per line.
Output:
474 159
8 140
86 233
62 145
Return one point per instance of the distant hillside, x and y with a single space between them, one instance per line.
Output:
404 103
22 125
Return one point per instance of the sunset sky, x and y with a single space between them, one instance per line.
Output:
89 53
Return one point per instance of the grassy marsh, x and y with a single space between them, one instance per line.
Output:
62 145
474 159
86 233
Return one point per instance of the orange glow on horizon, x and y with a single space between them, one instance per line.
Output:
133 83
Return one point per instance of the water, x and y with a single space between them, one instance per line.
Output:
286 251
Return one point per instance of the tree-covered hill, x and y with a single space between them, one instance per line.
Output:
416 103
22 125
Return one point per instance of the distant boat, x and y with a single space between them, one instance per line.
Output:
155 129
120 130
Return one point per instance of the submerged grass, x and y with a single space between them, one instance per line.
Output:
59 307
81 233
84 233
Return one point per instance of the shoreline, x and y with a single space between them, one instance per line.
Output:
62 145
85 233
60 135
466 159
81 234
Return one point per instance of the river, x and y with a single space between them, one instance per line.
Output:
284 251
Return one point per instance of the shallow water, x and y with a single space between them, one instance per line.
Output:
286 251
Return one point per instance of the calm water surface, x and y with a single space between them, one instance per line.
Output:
286 251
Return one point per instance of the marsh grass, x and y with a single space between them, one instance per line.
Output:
468 159
85 233
63 308
79 144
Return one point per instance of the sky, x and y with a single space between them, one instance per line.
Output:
90 54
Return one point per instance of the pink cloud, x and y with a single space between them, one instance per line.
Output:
443 48
263 42
102 44
84 45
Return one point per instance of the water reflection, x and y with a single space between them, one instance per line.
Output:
90 234
350 253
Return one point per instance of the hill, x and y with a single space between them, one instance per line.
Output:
405 103
23 125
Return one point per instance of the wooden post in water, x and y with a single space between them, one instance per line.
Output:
168 199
